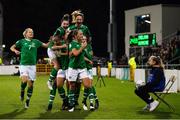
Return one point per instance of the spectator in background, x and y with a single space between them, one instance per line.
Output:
124 60
132 63
13 61
177 53
177 34
17 60
39 61
109 64
1 61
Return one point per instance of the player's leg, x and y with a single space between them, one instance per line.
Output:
77 92
87 85
55 68
31 79
91 98
96 98
53 73
90 74
142 92
60 82
85 96
29 93
23 86
24 79
71 96
72 76
52 96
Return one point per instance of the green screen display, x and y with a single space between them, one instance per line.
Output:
143 40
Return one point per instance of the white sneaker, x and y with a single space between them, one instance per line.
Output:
71 110
91 106
85 107
26 104
153 105
147 107
49 84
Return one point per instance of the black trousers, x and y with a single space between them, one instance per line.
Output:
143 93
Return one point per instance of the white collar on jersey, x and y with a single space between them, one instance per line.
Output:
27 39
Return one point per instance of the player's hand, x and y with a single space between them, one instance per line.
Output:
17 52
91 62
64 46
51 38
68 31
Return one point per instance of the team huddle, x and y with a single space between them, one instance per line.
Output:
70 51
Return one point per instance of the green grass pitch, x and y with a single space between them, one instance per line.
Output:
117 101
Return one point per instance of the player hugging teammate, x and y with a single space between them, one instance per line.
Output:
71 54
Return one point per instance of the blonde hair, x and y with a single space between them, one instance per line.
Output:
158 61
26 30
75 14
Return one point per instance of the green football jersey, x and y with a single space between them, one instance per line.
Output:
76 62
28 50
88 54
60 31
63 59
83 28
51 44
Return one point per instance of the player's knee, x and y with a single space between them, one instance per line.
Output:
87 84
72 86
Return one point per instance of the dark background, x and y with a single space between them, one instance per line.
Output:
44 17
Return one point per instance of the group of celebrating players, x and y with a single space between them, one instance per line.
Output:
70 51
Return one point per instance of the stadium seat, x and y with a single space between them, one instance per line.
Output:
161 95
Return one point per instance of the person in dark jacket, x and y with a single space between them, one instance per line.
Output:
155 82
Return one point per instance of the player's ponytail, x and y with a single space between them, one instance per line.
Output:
161 63
65 17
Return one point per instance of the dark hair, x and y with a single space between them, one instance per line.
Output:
71 35
57 37
65 17
75 32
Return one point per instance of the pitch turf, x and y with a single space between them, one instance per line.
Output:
117 101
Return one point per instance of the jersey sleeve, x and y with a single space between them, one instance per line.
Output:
73 45
18 44
38 43
51 44
56 32
90 48
59 32
71 27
